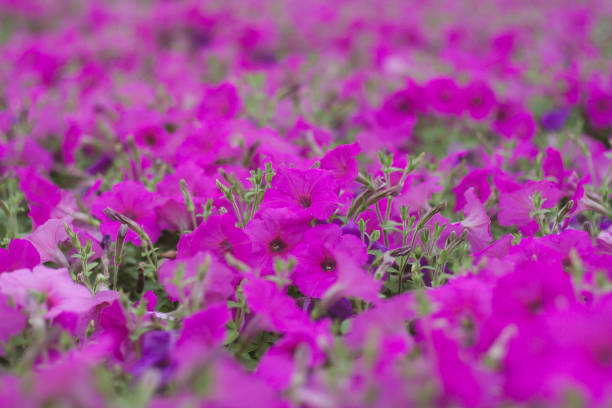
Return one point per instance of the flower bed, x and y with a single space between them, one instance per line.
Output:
305 204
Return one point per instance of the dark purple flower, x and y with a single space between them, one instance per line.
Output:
155 347
555 119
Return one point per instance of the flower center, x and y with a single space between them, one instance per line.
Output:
534 305
328 264
277 245
404 106
226 246
305 202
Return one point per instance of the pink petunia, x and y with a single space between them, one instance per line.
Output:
342 162
476 221
515 206
12 322
445 96
305 192
274 233
317 258
219 235
47 238
205 328
19 254
479 98
514 122
477 179
132 200
42 195
352 281
179 278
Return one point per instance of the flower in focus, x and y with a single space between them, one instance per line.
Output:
317 263
309 192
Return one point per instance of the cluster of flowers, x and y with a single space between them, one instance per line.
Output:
305 203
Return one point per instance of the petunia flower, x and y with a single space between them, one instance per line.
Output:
305 192
581 336
220 101
219 235
417 191
47 238
231 386
69 304
385 322
43 196
274 233
477 179
205 328
599 106
459 378
342 162
19 254
515 206
479 99
476 221
317 263
303 130
554 120
402 106
445 96
274 309
604 239
352 281
217 282
514 122
132 200
13 321
155 348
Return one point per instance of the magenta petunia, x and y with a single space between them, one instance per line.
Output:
384 320
68 303
274 309
402 106
352 281
303 130
219 235
599 106
47 239
445 96
515 206
132 200
458 377
418 190
205 328
274 233
317 260
308 193
42 195
342 162
12 322
19 254
534 371
514 122
479 99
477 179
220 101
179 278
476 221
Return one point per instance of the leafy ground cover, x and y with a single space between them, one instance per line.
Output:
312 204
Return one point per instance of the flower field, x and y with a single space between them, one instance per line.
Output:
309 204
